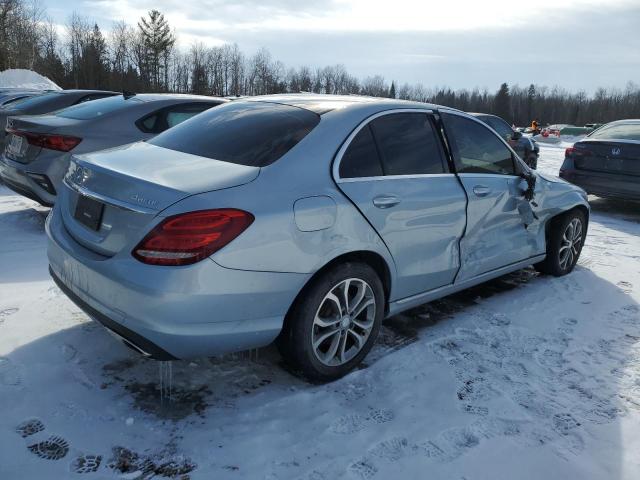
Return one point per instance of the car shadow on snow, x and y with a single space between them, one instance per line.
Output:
561 380
617 209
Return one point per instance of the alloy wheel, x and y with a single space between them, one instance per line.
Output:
343 322
570 243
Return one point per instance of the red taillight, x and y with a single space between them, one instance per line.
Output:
62 143
574 151
190 237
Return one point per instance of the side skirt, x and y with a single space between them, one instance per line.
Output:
421 298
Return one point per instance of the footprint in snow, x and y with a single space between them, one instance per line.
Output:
7 312
53 448
86 464
352 423
363 469
30 427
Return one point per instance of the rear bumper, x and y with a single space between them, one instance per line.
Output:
16 176
172 312
603 184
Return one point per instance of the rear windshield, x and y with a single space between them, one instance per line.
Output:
33 101
247 133
97 108
624 131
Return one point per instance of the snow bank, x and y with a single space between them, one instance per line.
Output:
27 79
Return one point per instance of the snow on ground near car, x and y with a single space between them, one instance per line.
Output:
526 377
20 78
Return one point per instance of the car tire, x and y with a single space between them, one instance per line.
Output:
564 243
322 338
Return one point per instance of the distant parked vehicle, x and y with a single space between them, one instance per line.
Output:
47 102
38 148
11 95
607 162
554 130
302 218
525 147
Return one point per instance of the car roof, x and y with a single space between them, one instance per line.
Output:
322 103
627 121
152 97
82 91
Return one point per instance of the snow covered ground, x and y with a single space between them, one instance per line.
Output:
527 377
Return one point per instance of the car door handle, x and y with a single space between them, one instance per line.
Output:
386 201
481 190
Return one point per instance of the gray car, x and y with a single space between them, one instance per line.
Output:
607 162
48 102
13 95
302 218
37 151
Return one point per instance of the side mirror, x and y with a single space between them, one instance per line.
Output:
516 135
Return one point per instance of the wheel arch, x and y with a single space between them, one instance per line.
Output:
368 257
554 218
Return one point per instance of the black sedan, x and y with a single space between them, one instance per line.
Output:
607 162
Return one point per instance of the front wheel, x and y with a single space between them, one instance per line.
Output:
564 244
334 322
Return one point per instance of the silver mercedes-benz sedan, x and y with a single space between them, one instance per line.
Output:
302 218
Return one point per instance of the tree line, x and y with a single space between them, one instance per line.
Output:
144 58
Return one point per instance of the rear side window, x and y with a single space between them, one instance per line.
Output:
408 144
94 96
247 133
36 101
169 117
629 131
361 157
97 108
476 148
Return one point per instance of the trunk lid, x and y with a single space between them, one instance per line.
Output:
127 187
19 149
610 156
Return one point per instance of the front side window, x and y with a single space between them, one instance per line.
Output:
244 132
361 157
476 148
408 144
500 126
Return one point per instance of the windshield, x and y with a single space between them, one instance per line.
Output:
247 133
32 101
620 131
97 108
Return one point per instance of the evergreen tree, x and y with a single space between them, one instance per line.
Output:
502 103
392 90
531 96
157 41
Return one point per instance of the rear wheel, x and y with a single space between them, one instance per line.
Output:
334 322
564 245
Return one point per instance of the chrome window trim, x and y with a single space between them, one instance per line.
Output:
395 177
488 175
361 125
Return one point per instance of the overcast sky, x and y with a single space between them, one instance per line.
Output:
579 45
